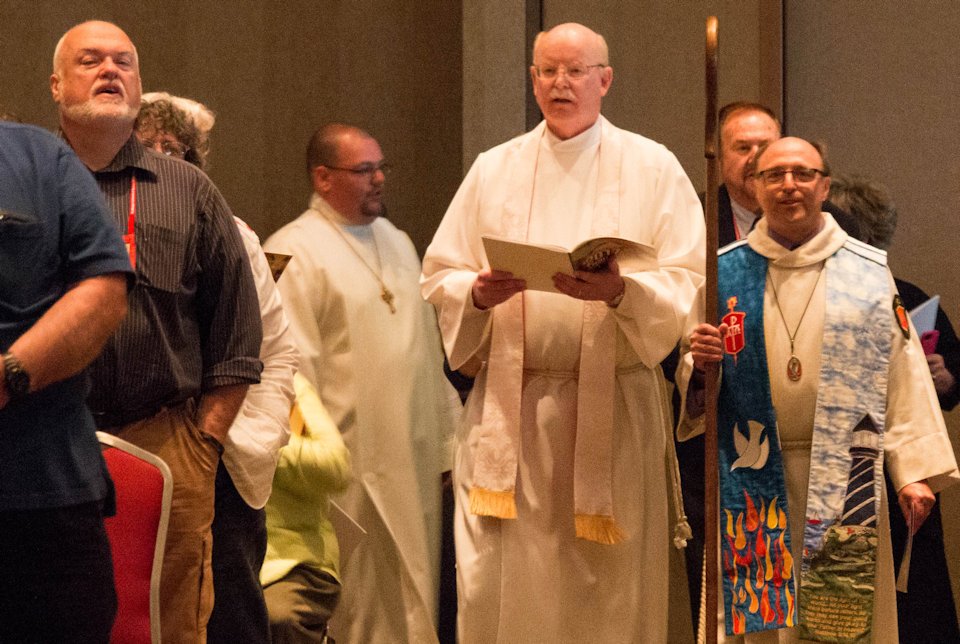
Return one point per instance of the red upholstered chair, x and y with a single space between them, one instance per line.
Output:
137 535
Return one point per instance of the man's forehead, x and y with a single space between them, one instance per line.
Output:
361 148
573 44
785 151
751 136
749 120
563 53
107 49
98 38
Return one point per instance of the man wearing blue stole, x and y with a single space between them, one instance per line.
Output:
823 383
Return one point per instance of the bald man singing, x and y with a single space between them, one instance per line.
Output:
562 528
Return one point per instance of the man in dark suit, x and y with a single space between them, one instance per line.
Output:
744 127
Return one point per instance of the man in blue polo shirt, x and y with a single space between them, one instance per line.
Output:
63 282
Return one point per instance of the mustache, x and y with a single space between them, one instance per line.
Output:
109 85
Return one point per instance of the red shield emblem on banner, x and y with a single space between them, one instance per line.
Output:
733 341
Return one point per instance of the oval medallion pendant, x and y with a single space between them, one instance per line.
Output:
794 368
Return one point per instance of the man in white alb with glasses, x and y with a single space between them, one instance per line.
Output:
370 346
562 529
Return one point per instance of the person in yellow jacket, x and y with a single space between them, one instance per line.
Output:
300 574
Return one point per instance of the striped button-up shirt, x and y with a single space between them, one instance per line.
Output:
193 321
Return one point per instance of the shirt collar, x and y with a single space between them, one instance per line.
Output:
132 155
744 217
323 207
586 139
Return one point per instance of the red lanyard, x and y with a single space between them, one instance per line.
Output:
130 239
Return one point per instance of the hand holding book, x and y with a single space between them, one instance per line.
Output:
494 287
537 264
601 284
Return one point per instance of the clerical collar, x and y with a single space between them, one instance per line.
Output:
587 139
791 245
321 205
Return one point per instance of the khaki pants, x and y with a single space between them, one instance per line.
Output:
186 583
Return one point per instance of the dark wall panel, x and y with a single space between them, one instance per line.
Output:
273 73
878 83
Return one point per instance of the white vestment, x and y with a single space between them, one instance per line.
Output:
915 441
530 579
380 375
262 426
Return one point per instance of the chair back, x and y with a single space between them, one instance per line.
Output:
137 534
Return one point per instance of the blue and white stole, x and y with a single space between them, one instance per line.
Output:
846 467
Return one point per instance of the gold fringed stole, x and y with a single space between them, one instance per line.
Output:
496 458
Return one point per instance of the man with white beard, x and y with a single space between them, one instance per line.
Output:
175 373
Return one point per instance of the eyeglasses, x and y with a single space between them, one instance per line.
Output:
776 176
573 72
367 169
170 148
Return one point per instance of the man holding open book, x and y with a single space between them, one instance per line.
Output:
561 451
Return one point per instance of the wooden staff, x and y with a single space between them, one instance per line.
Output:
711 476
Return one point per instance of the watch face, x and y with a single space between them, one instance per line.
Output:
18 382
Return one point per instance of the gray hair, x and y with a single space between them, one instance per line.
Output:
870 203
186 120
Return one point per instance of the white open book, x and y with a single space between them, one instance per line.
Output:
924 316
537 263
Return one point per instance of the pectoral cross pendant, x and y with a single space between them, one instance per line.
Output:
387 296
794 368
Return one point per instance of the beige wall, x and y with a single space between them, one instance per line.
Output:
274 72
657 53
878 82
494 74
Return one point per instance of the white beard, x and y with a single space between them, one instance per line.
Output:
92 113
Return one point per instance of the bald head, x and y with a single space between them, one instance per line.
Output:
81 31
592 43
789 145
324 145
791 184
570 75
96 76
347 169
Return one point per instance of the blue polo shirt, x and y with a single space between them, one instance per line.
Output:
55 231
